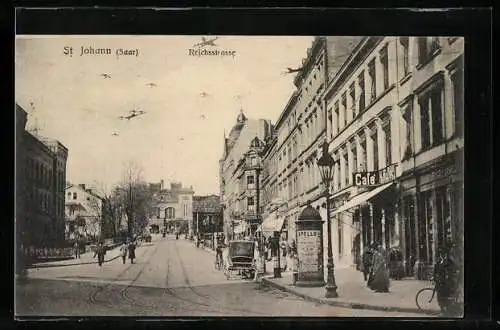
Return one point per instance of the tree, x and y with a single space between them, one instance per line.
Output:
134 198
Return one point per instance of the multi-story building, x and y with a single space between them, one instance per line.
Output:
84 213
41 177
239 166
207 215
172 208
394 126
292 176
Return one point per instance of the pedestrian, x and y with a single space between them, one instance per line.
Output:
284 248
123 251
131 251
378 279
367 261
294 258
446 279
100 252
76 250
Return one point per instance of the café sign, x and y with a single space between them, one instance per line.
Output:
375 178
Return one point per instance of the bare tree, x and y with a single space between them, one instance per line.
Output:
135 198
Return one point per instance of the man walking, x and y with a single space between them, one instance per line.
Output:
123 251
131 251
100 252
76 248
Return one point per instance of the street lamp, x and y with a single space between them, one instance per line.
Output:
325 164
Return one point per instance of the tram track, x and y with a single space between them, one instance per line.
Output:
208 297
92 299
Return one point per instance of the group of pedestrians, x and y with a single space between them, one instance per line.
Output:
375 269
446 274
128 248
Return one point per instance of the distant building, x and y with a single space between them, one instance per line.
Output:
40 183
83 212
172 208
237 197
207 214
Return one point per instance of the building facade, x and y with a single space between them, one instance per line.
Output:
240 163
40 184
395 112
172 208
207 215
292 176
84 213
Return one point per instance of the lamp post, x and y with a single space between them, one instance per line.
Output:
325 164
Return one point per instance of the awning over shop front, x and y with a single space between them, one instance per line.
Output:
271 224
240 228
361 198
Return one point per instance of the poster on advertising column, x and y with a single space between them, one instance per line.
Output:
309 243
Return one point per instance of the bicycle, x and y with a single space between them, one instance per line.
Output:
422 298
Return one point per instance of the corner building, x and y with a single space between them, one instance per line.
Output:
239 175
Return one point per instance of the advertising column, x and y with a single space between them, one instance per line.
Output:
310 248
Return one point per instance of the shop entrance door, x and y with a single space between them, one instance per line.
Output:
410 234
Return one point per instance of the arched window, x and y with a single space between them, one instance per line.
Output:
170 213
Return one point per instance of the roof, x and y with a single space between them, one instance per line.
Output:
310 214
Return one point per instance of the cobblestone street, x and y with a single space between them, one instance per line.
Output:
170 278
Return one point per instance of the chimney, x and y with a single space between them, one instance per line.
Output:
81 185
161 184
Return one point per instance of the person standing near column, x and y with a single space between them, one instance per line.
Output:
123 251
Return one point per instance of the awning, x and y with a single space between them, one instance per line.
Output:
240 228
271 224
361 198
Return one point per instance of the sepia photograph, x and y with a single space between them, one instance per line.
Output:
237 175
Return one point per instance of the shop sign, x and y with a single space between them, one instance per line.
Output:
309 250
443 172
374 178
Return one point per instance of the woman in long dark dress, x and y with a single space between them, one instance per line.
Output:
131 251
379 275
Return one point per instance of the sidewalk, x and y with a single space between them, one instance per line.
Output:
353 292
86 258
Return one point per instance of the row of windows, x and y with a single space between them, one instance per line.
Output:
44 202
353 100
370 150
429 117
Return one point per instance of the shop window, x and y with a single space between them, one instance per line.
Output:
426 228
410 232
443 214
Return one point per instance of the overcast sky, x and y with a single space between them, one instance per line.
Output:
195 99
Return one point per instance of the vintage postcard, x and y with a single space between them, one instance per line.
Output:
216 175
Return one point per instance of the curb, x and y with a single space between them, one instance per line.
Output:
345 304
74 264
